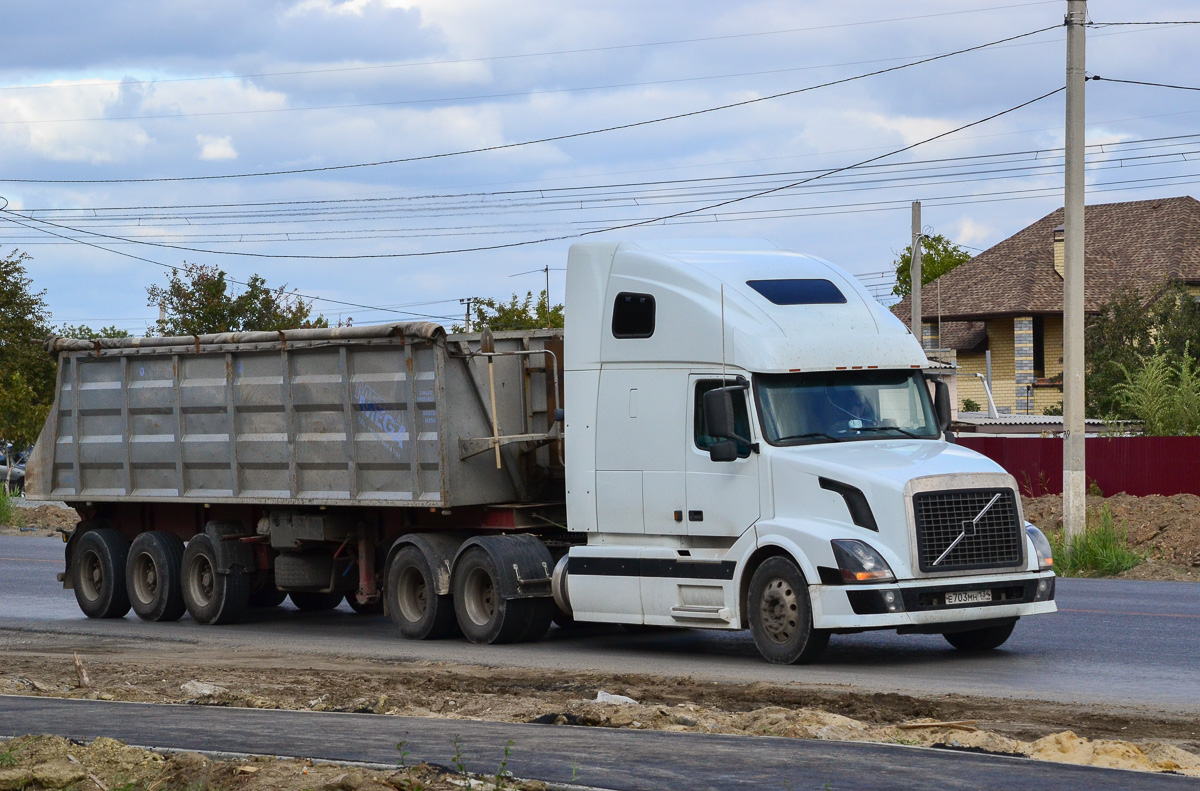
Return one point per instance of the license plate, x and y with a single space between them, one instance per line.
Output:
968 597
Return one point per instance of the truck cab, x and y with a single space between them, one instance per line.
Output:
753 442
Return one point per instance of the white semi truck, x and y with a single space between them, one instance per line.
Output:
727 435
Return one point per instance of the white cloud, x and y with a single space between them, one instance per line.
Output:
212 147
969 231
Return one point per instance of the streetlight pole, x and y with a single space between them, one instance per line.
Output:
1074 469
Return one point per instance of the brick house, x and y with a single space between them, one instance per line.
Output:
1006 303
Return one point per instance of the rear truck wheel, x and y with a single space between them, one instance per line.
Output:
267 596
413 603
781 615
984 639
483 614
309 601
152 576
98 573
211 597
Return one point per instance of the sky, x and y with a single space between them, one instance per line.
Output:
135 137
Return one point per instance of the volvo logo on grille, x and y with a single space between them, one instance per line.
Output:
968 529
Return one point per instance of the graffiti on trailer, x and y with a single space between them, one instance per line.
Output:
379 421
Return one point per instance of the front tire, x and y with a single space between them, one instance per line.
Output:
485 616
152 576
984 639
781 614
211 598
413 603
98 573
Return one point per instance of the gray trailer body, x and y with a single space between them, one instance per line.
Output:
386 415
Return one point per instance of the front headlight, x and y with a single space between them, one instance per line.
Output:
859 562
1041 546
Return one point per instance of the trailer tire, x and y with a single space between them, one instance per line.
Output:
413 603
484 615
781 614
211 598
98 573
984 639
267 596
303 570
152 575
309 601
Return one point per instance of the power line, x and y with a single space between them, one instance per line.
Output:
1151 84
524 243
484 59
5 212
554 138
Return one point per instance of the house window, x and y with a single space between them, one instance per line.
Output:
1039 347
633 315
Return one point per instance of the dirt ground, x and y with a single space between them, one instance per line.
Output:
48 762
1133 739
40 520
1167 529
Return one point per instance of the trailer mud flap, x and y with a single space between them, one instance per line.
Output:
232 555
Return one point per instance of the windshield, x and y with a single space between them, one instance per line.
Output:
836 406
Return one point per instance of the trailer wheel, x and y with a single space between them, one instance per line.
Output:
984 639
211 598
413 602
152 576
483 614
310 601
781 614
267 596
98 573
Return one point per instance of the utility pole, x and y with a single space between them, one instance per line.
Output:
1074 469
914 273
467 302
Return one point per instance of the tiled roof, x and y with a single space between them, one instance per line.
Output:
961 335
1140 244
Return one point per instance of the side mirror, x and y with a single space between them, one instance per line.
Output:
718 413
723 450
941 404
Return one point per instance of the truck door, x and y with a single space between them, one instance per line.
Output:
722 497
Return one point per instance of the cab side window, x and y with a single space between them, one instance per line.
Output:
741 417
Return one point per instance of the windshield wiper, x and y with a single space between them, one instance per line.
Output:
891 428
810 435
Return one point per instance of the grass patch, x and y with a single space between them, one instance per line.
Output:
8 512
1101 551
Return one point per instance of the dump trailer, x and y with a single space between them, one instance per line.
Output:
727 435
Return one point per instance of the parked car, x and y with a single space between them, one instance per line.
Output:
12 468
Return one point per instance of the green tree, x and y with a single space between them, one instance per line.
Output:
938 256
1131 330
516 314
200 301
26 372
87 333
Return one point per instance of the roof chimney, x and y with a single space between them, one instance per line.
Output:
1059 256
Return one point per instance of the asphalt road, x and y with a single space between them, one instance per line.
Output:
594 757
1113 642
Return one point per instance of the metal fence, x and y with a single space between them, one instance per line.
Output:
1134 465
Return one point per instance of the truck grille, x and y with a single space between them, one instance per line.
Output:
994 540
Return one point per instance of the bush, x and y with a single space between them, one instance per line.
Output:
1101 551
971 405
8 511
1164 393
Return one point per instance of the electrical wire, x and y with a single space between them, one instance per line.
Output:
553 138
1139 82
523 243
